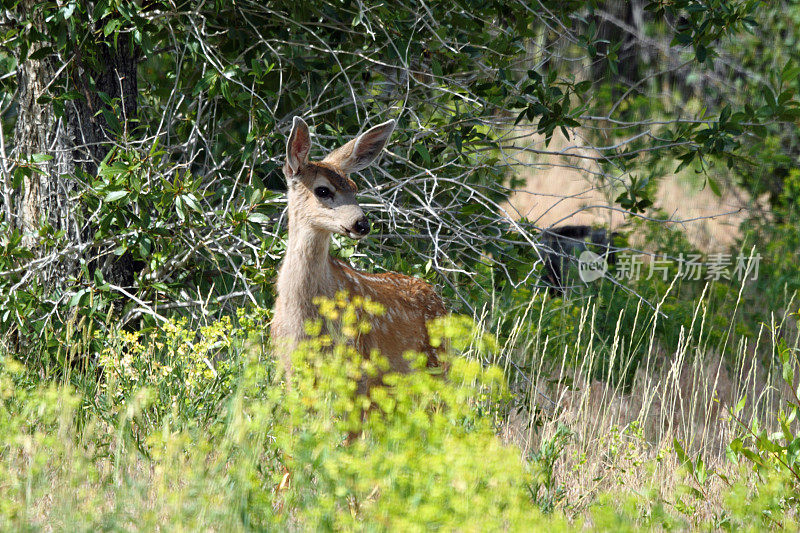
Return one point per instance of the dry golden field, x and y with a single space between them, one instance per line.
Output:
563 189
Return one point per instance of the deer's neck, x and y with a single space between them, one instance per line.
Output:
306 272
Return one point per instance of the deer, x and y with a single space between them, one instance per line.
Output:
321 201
561 244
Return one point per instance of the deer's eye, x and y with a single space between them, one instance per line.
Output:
323 192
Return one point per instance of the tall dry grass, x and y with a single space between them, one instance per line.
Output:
622 436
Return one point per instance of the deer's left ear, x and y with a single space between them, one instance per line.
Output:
359 153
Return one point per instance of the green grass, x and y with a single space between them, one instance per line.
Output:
193 427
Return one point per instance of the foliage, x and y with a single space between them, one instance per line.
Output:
774 456
416 465
229 439
243 449
155 402
187 191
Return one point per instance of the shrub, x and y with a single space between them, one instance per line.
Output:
168 441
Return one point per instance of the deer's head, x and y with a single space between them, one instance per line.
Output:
321 194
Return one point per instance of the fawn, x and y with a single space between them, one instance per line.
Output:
322 201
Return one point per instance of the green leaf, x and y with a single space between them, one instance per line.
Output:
68 10
422 150
725 114
701 53
713 186
769 97
41 158
792 452
180 209
789 72
788 373
258 218
224 86
700 471
583 86
76 298
42 52
733 450
191 202
111 120
111 26
115 196
740 405
101 9
682 457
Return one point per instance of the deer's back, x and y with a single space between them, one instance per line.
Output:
409 304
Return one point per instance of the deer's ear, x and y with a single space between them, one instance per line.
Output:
359 153
297 148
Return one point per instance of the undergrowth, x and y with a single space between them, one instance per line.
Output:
195 427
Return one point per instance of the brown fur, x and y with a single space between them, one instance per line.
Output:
338 180
410 304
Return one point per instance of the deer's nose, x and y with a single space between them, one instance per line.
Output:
361 226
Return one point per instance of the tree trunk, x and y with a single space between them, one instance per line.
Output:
77 141
38 131
625 17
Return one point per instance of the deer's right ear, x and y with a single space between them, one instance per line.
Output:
297 148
